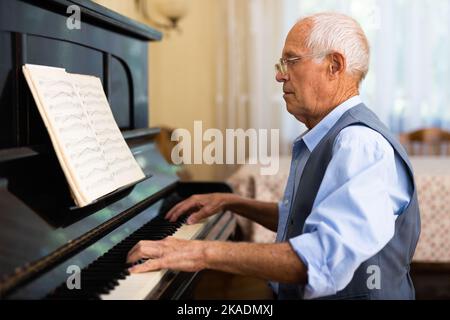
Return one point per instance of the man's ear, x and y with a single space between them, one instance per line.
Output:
337 64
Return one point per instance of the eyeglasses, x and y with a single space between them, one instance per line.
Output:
282 66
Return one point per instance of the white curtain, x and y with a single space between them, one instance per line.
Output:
408 81
409 78
251 41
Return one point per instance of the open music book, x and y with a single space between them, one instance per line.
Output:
90 147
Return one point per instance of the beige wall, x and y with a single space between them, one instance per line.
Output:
182 70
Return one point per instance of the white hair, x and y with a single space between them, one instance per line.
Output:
338 32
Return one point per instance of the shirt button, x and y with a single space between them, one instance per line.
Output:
286 202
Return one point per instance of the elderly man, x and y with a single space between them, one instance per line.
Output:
349 222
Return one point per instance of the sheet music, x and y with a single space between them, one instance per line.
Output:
88 143
121 162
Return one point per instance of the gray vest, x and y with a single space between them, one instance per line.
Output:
394 259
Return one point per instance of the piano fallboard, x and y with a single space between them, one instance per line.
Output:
218 227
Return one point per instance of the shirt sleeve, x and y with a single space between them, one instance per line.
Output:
353 215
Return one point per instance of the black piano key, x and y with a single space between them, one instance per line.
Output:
102 275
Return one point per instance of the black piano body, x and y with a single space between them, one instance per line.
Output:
42 234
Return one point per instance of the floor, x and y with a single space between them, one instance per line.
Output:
215 285
431 280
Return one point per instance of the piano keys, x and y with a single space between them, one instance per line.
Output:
138 286
107 277
42 234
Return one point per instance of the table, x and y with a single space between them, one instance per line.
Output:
432 176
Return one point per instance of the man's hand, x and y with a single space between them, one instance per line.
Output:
201 205
270 261
170 253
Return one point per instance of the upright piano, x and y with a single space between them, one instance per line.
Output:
45 240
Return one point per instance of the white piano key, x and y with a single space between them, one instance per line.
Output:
138 286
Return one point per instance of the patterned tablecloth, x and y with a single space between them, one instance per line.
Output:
432 176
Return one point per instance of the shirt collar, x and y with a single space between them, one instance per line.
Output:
312 137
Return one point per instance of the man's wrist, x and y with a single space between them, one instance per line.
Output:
210 251
231 202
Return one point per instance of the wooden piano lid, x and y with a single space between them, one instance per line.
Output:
108 45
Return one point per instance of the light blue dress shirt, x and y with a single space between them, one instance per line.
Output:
364 189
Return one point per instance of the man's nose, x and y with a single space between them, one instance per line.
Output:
280 77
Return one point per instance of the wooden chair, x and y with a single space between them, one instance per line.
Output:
427 141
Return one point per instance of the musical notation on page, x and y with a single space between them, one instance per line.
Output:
90 147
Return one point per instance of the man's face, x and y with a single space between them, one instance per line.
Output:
305 83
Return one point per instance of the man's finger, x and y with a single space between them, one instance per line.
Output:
149 265
144 251
199 215
173 210
137 246
182 208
